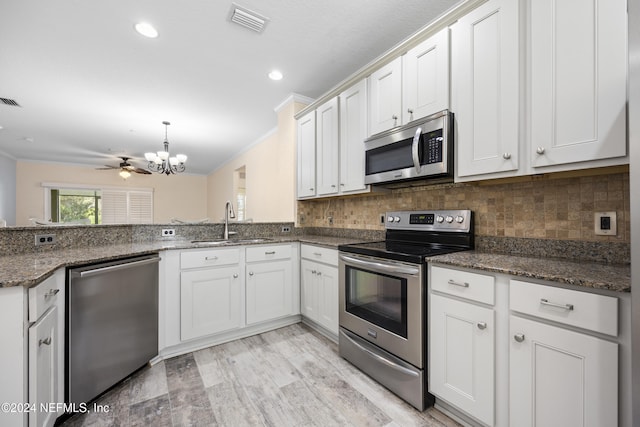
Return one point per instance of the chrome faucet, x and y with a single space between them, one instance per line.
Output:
228 213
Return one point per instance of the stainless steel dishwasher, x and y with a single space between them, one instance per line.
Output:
111 324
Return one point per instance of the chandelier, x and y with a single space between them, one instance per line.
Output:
162 162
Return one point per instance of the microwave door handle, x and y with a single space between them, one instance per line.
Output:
414 149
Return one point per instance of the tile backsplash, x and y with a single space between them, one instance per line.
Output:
539 207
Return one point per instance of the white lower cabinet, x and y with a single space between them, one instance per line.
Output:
210 301
560 377
43 360
319 286
462 341
462 354
270 292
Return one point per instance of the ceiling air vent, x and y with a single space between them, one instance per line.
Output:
7 101
247 18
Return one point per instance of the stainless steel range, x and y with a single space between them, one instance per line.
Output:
383 306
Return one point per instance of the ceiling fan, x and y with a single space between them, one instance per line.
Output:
126 168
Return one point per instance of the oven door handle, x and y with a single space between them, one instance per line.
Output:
379 356
386 268
414 150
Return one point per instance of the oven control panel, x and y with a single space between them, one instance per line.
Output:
437 220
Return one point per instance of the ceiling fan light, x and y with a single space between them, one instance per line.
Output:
181 158
125 174
150 157
163 155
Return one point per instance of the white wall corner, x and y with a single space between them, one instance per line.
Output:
294 97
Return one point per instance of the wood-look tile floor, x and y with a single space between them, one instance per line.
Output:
292 376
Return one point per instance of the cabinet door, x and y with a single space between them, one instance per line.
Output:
209 301
309 290
327 133
327 293
269 290
560 377
578 80
425 81
385 102
43 367
485 86
306 128
353 131
461 351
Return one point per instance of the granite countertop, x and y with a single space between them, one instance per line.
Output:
32 268
613 277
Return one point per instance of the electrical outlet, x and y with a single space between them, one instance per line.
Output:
168 232
330 219
605 223
45 239
286 229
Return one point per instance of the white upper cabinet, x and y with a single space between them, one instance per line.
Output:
306 129
353 131
425 80
327 146
485 88
578 72
385 103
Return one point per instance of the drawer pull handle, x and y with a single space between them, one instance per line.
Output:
518 337
46 341
51 293
482 326
210 258
554 304
270 253
462 285
317 253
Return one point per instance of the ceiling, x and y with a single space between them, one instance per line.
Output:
91 89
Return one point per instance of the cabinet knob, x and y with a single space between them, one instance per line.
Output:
518 337
311 189
342 184
313 272
506 156
319 273
251 273
482 326
46 341
395 120
540 150
333 186
235 276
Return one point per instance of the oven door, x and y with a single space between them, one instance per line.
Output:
382 301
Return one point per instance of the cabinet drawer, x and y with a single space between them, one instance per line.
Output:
268 253
320 254
594 312
472 286
208 258
43 296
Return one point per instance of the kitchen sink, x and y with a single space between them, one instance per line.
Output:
221 242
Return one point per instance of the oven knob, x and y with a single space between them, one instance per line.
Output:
439 219
390 219
396 219
459 219
449 219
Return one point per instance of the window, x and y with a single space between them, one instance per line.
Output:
75 206
80 204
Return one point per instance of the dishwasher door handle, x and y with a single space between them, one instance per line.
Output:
101 270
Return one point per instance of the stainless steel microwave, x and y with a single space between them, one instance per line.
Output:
418 150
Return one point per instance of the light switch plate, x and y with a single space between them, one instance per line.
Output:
605 223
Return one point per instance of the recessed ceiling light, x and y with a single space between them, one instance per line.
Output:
146 30
275 75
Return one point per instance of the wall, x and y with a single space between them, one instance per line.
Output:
539 207
177 196
270 174
8 189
